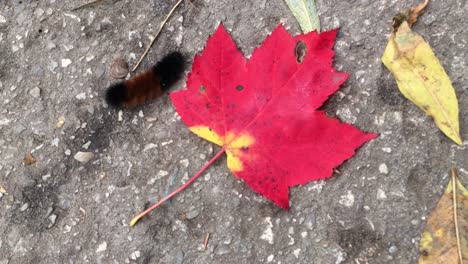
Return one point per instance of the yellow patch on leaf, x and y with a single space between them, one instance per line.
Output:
233 144
422 79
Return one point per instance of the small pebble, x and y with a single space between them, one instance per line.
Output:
381 194
86 145
66 62
150 146
347 199
119 68
135 255
45 177
180 257
192 214
35 92
84 157
67 229
383 168
52 219
60 122
387 150
24 207
81 96
102 247
393 249
222 250
270 258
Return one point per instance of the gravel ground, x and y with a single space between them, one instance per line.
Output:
55 65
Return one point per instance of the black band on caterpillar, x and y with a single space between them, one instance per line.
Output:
147 85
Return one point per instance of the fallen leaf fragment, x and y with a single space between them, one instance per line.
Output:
445 236
421 78
306 14
2 190
29 159
84 157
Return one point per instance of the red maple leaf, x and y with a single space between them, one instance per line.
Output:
263 111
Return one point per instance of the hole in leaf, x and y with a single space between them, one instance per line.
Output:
300 51
202 89
239 87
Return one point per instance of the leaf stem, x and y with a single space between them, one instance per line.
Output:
138 217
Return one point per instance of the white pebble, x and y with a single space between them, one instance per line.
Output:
84 157
135 255
35 92
381 194
347 199
383 168
66 62
387 150
150 146
267 234
81 96
184 162
296 252
45 177
86 145
102 247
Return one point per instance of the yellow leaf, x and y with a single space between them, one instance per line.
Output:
305 13
422 79
439 241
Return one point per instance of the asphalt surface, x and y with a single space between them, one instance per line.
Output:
55 65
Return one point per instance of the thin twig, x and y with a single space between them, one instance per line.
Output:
205 243
455 215
156 36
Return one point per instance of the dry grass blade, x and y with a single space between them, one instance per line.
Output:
157 34
455 215
205 242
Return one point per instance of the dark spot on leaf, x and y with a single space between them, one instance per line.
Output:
239 88
202 89
207 106
300 51
425 252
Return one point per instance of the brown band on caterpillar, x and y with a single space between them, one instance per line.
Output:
148 85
